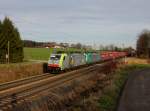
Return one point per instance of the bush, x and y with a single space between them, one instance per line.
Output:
111 94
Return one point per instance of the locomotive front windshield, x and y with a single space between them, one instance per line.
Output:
55 57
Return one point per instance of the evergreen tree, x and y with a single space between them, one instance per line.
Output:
10 34
0 26
1 38
0 31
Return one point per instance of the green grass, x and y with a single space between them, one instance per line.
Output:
43 53
37 53
109 99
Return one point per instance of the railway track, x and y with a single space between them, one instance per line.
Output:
16 94
13 93
19 82
16 83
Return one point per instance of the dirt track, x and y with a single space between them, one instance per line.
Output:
136 94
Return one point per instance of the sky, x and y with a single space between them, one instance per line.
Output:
99 22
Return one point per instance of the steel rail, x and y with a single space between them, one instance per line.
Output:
19 82
14 92
39 88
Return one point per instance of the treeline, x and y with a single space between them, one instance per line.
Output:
34 44
11 46
143 44
30 43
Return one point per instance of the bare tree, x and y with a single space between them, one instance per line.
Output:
142 45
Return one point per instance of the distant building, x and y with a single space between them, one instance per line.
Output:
58 46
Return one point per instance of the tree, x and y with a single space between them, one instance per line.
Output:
0 26
78 45
0 31
143 44
1 42
130 50
10 34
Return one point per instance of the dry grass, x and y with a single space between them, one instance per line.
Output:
17 71
136 61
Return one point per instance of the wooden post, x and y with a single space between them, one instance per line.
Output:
8 51
149 50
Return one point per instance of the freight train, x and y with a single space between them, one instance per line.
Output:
62 61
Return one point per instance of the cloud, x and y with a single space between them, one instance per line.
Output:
85 21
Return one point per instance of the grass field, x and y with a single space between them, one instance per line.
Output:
41 53
37 53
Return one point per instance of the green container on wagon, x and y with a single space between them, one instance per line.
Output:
88 57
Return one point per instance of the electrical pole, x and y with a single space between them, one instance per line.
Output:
148 48
8 51
123 47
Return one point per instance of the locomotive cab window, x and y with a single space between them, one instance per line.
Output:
56 57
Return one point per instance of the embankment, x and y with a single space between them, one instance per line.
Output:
10 72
